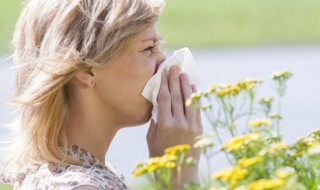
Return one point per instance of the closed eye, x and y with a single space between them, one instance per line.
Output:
150 48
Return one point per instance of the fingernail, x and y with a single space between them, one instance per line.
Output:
175 69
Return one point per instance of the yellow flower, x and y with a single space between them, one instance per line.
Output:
234 90
189 102
258 123
248 84
274 116
275 148
314 150
315 134
237 142
167 161
307 142
139 172
221 93
212 88
152 167
196 96
246 162
283 174
139 169
263 184
152 164
170 165
299 153
203 143
312 142
177 149
227 89
279 146
224 86
190 161
232 175
284 75
266 100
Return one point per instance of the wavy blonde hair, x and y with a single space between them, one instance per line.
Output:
53 40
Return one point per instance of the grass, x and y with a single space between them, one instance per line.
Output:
5 187
216 23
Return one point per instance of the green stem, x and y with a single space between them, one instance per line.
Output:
250 109
214 127
179 170
209 170
279 112
228 124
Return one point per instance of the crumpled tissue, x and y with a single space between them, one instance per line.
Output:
182 58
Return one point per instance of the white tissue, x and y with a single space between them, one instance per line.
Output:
184 59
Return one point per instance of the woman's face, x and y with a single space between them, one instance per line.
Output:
119 85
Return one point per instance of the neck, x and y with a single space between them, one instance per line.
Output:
90 129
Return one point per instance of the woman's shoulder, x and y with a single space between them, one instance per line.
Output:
86 187
67 177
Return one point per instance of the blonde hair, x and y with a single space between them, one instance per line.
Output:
54 40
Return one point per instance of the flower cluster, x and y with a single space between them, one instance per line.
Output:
281 76
238 142
258 123
246 162
263 184
231 175
166 161
177 150
258 157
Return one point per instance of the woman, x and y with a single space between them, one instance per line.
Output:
82 65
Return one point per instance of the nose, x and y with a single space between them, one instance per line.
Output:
160 59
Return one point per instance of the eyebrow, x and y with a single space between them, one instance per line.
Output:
154 39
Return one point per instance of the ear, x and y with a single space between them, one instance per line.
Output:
86 77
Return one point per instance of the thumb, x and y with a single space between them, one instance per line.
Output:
152 130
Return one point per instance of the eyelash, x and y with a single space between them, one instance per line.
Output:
149 48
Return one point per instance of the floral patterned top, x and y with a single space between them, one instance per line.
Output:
67 177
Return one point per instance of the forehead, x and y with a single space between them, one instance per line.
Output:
150 34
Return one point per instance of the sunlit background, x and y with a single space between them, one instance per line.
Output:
230 39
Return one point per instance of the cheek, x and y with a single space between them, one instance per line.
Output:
140 74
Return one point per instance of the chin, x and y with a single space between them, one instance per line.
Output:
143 117
139 120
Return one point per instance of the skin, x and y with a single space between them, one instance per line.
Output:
98 112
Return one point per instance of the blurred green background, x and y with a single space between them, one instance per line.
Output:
218 23
221 23
5 187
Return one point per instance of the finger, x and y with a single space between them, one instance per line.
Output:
193 88
151 131
175 91
198 114
164 99
190 112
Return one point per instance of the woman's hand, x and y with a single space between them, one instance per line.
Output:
177 124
